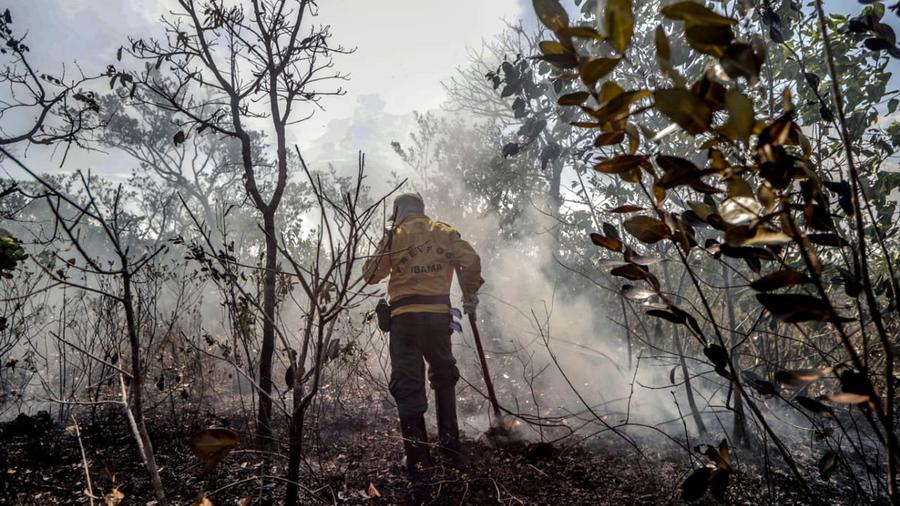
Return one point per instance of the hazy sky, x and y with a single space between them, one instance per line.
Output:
405 48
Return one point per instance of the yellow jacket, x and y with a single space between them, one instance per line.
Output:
420 256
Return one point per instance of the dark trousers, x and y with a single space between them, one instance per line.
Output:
414 337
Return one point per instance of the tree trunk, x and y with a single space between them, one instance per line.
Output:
688 389
739 429
295 445
264 413
135 412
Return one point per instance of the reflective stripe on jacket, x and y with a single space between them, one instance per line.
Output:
420 257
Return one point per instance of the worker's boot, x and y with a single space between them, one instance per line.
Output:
448 427
415 442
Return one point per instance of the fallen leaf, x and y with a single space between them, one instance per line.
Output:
212 445
113 497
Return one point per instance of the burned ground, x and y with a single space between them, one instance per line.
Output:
356 462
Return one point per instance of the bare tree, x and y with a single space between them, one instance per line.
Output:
228 68
332 285
56 108
112 274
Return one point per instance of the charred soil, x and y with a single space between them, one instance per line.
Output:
351 462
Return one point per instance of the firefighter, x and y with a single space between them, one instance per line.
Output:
420 255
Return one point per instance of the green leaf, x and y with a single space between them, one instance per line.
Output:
549 47
619 23
551 14
695 13
740 60
576 98
663 51
687 110
594 70
741 117
563 61
616 107
711 40
584 32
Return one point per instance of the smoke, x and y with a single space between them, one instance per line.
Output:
551 353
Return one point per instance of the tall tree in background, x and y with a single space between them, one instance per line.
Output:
227 68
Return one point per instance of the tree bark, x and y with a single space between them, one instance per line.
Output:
267 350
739 429
295 445
688 389
135 412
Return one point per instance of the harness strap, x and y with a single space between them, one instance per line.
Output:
421 299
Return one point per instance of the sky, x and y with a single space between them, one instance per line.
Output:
404 50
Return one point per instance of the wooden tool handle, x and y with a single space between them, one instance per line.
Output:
484 366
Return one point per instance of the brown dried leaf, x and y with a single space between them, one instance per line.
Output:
848 398
800 377
202 500
610 243
631 272
796 308
212 445
635 293
626 209
620 164
647 229
696 485
576 98
826 464
113 497
609 138
815 406
779 279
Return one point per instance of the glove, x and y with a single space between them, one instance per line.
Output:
470 303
